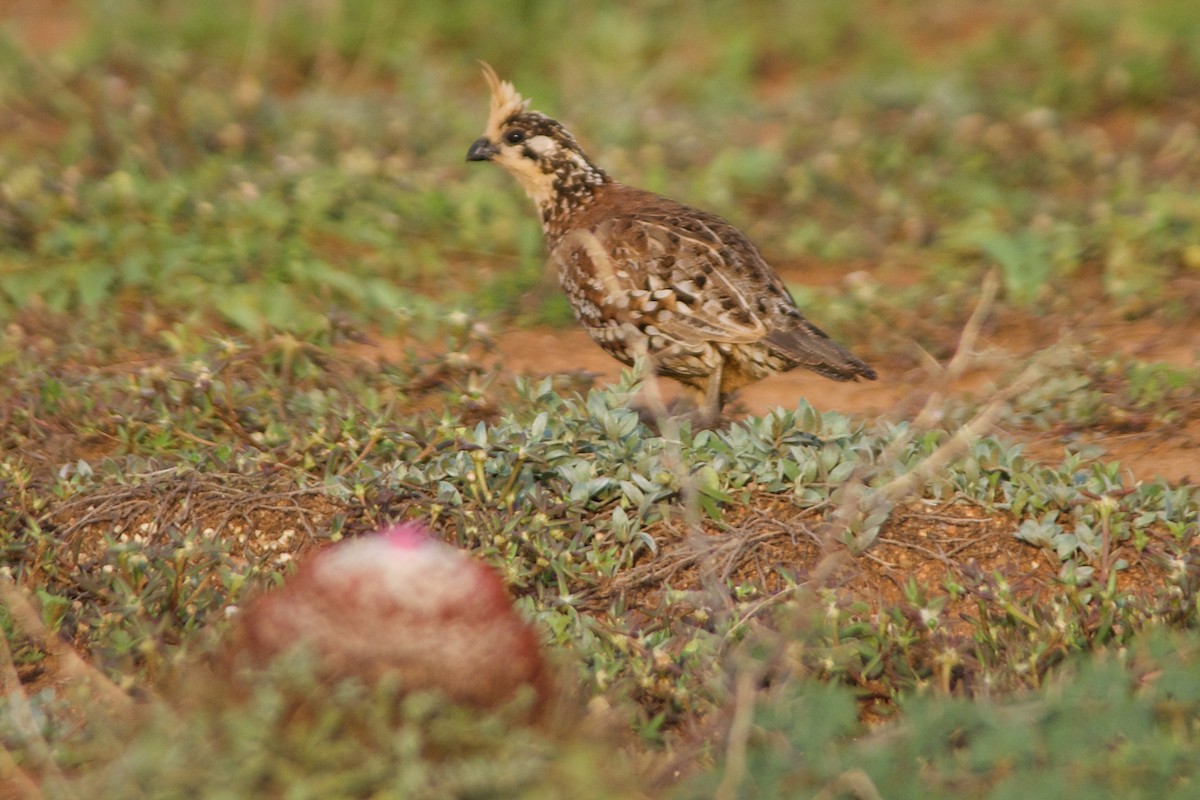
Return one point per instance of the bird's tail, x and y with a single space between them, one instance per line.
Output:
810 347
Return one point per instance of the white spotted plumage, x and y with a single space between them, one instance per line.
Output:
649 276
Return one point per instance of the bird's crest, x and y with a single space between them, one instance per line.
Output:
505 101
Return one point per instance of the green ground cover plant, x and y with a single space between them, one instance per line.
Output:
255 303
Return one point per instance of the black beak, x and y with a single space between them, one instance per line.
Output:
481 150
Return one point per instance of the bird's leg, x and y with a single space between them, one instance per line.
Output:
710 413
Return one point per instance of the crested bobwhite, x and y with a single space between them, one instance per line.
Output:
647 275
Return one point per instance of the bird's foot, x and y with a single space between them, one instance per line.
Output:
681 409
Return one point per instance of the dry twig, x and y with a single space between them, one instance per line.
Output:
73 667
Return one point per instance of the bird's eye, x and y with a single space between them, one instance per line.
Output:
514 136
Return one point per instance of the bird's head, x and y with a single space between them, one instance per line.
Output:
539 152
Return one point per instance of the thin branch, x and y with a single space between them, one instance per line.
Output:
73 667
958 364
228 415
22 716
16 778
852 783
939 459
965 351
739 736
362 454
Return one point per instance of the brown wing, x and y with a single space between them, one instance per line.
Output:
651 274
696 278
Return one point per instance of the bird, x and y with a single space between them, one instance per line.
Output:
650 277
397 602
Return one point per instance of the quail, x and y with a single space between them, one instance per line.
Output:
648 276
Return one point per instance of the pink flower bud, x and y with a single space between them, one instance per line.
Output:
399 601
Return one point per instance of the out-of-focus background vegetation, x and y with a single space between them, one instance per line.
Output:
265 162
254 299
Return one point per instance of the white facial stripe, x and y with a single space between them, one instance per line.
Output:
542 145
